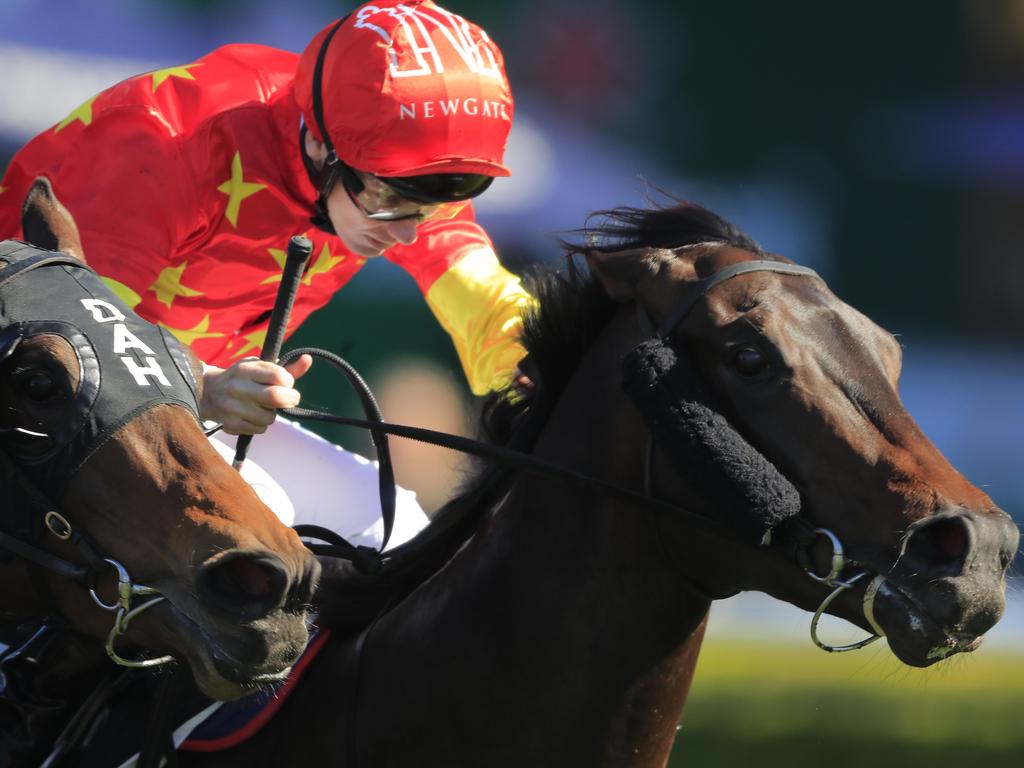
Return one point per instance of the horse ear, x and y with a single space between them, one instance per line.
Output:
46 223
620 272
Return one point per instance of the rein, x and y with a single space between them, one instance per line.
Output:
798 536
368 560
506 456
801 533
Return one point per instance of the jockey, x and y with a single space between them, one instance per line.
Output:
187 183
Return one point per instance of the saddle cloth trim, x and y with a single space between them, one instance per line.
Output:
263 716
254 723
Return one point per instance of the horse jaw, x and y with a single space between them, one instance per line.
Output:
198 510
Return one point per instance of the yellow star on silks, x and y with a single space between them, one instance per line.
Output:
323 264
162 75
237 189
123 292
167 285
82 112
190 335
2 189
280 257
255 345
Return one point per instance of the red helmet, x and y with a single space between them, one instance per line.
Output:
407 89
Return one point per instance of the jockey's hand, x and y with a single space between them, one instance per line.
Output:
246 396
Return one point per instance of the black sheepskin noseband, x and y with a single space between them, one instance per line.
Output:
715 460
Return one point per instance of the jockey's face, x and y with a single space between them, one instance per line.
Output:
364 236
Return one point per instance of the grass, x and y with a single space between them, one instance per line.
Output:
794 706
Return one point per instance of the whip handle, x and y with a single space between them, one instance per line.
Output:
299 249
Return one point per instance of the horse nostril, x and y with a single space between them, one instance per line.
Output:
246 578
942 543
244 585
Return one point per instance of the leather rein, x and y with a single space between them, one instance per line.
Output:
795 537
369 560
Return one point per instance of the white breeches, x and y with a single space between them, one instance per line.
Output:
307 479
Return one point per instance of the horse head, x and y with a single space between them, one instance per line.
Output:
108 472
813 385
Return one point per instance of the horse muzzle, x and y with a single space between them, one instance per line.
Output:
948 587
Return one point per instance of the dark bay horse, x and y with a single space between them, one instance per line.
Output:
125 489
560 626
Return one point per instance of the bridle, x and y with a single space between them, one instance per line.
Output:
839 562
125 607
800 534
367 560
80 308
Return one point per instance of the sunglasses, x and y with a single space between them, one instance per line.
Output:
424 198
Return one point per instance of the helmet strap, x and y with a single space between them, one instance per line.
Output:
321 220
318 77
325 177
323 180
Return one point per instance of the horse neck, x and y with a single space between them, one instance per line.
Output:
570 589
558 635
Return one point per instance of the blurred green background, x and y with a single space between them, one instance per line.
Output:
790 706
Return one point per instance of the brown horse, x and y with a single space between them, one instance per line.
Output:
563 630
144 501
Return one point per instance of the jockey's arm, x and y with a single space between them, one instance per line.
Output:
478 302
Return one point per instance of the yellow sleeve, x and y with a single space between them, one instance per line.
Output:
480 304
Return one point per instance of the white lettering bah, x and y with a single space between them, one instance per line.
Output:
104 312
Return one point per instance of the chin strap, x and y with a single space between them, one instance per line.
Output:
323 180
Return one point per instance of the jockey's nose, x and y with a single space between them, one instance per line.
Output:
404 231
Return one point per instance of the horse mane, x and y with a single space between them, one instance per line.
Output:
570 311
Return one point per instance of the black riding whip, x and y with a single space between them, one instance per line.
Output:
299 248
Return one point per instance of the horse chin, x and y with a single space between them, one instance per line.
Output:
915 637
213 683
229 661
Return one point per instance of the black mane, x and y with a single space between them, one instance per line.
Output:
572 307
571 311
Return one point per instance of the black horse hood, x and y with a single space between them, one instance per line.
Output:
137 365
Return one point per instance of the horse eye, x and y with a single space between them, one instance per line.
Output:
39 386
750 361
